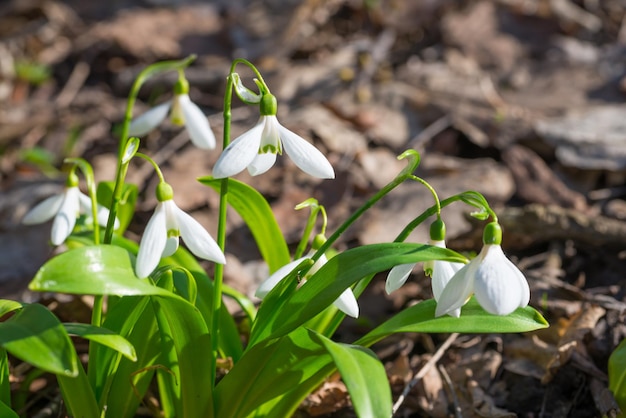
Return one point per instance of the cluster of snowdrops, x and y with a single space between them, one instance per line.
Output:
158 315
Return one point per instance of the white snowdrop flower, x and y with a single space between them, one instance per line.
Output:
182 111
65 208
161 237
256 149
346 302
499 286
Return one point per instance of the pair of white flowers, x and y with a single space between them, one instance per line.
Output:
255 150
499 286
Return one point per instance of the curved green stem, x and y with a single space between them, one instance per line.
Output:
158 171
310 224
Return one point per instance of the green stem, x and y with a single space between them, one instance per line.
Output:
218 276
414 160
158 171
307 232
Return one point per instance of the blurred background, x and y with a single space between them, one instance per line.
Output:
521 100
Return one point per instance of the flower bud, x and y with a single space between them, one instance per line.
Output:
492 234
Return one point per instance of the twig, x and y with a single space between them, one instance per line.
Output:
74 84
430 131
455 399
430 363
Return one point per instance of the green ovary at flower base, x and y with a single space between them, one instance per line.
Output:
65 208
440 271
182 111
256 149
499 286
161 237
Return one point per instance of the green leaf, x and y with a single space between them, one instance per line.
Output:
36 336
94 270
7 306
103 336
6 411
192 342
364 376
272 378
617 374
473 319
258 215
5 384
78 395
282 315
126 207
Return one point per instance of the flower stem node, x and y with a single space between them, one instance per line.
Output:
164 192
492 234
268 105
438 230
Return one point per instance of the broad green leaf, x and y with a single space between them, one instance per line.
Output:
292 366
473 319
617 375
6 411
126 382
258 215
36 336
126 207
93 270
103 336
7 306
5 384
364 376
78 395
192 343
282 315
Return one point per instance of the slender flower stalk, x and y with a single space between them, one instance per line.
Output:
499 286
183 112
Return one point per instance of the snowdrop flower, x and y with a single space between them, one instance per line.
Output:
499 286
182 111
256 149
65 208
162 233
440 271
346 302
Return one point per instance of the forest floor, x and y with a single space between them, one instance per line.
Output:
521 100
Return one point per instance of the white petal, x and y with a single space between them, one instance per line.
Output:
346 302
269 283
197 124
261 163
442 273
171 245
497 286
308 158
149 120
44 211
240 153
197 238
65 219
397 277
457 291
152 243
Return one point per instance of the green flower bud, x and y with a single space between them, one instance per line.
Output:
268 106
492 234
181 86
438 230
72 180
164 192
318 241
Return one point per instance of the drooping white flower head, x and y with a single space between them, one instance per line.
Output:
256 149
499 286
161 237
182 111
65 208
346 302
440 271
